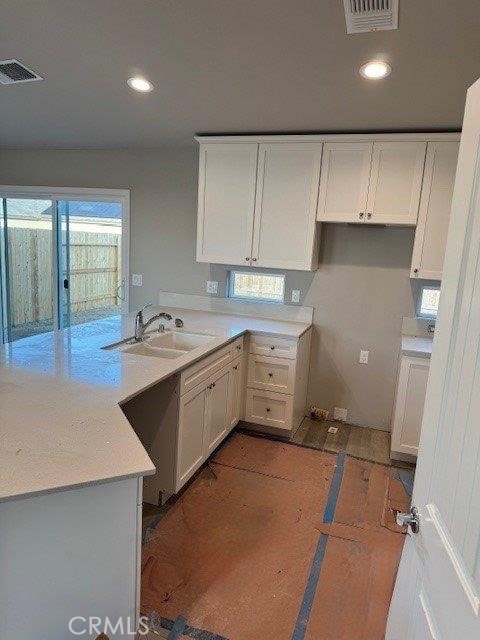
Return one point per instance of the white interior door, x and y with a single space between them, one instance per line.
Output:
437 593
226 202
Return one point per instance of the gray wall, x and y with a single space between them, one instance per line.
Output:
360 292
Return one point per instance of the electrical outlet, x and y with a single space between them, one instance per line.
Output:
212 286
137 279
296 295
340 414
363 358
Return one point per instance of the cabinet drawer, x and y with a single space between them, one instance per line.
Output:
273 346
269 409
237 347
272 374
200 371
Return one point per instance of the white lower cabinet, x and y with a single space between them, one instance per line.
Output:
217 424
409 402
277 382
183 419
236 393
191 428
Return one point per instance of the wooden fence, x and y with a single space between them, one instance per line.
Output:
95 272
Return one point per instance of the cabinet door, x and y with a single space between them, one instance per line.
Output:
434 213
235 393
226 202
344 181
191 427
217 424
395 182
410 398
285 206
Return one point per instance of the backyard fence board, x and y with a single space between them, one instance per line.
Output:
95 272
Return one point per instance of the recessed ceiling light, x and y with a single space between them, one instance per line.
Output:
375 70
140 84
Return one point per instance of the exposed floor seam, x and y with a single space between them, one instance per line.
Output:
260 473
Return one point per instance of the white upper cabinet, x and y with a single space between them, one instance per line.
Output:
226 202
395 182
371 182
344 181
285 207
434 213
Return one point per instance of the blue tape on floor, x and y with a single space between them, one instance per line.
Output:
315 569
334 489
178 628
406 478
309 595
157 622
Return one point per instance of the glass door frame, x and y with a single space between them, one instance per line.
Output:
56 194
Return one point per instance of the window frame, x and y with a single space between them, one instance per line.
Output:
230 284
420 314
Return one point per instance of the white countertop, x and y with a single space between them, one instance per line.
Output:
416 346
61 425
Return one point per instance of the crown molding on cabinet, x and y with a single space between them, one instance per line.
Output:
330 137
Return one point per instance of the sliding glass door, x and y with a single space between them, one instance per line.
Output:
92 285
27 263
63 261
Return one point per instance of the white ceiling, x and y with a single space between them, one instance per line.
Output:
227 66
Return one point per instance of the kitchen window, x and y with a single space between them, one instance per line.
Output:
261 287
428 305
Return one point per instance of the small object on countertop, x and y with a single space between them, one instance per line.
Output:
178 322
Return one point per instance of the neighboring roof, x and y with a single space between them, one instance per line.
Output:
31 209
223 66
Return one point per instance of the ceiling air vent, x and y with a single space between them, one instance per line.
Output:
13 71
371 15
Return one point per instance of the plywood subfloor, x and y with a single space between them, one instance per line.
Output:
259 546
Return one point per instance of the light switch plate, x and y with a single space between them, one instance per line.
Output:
137 279
212 286
295 295
363 358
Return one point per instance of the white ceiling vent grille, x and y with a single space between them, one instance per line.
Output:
371 15
13 72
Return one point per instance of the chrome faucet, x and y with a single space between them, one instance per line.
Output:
141 325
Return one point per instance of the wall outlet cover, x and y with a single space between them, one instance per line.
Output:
137 279
212 286
340 414
296 295
363 358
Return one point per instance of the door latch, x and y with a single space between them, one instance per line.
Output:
411 519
